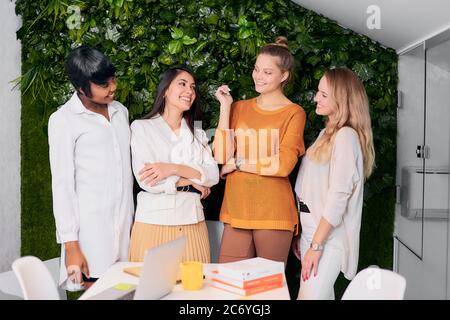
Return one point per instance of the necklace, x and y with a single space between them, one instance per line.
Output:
273 106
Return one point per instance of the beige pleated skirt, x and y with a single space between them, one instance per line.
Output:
145 236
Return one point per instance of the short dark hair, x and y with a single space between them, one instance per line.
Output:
85 65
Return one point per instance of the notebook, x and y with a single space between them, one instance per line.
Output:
134 271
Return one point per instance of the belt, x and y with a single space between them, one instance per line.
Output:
188 189
303 207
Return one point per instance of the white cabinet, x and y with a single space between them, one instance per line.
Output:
421 236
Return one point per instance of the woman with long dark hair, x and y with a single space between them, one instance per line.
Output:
173 164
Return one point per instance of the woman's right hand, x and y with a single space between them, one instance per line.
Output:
74 257
296 247
183 182
223 95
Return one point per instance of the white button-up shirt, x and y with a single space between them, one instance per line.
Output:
92 182
152 140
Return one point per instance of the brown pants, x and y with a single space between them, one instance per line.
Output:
239 244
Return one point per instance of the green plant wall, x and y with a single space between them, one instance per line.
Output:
219 40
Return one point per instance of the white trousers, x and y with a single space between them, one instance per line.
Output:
320 287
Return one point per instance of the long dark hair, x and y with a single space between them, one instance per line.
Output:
191 115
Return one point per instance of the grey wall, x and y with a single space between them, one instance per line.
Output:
9 136
403 23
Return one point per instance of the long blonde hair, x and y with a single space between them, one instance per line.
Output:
351 110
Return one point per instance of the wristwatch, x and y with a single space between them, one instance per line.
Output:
238 163
316 247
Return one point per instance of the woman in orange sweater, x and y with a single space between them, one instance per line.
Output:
258 142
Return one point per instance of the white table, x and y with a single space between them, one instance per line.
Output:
115 275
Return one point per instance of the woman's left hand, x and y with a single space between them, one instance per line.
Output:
152 173
310 263
226 169
204 190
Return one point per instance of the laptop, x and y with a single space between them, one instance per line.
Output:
158 274
160 270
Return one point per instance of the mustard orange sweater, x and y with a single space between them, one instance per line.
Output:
273 140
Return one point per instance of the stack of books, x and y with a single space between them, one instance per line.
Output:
248 277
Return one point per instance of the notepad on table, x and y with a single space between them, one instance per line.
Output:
134 271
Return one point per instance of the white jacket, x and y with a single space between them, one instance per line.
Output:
152 140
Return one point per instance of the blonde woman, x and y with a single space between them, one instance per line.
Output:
259 142
330 184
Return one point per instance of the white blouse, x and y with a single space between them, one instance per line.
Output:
152 140
334 190
92 182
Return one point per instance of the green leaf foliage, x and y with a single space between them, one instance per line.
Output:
219 40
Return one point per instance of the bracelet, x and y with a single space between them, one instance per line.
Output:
238 163
316 247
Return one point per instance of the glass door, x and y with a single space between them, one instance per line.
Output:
411 151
